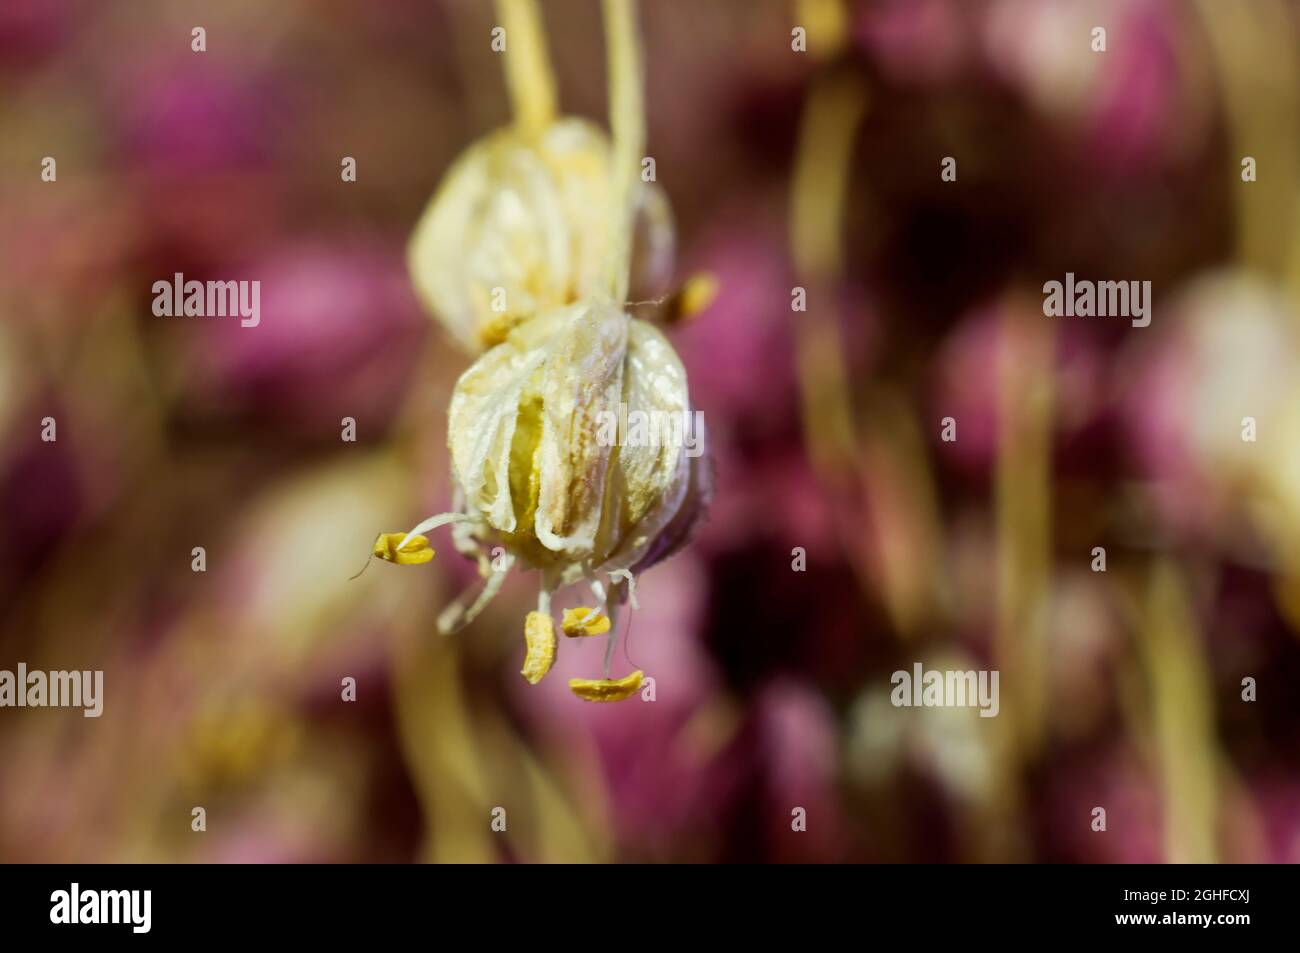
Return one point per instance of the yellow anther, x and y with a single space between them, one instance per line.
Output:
413 553
700 291
492 331
539 637
580 622
606 689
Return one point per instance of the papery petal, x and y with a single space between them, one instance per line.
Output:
481 425
583 383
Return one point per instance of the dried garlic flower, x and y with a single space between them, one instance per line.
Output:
524 218
533 474
544 471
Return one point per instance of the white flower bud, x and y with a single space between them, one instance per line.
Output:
521 225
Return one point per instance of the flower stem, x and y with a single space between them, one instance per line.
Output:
528 68
627 124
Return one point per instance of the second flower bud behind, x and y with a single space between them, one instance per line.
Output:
521 224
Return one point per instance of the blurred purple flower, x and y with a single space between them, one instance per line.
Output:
1154 400
1132 106
193 139
1136 111
972 366
1112 777
340 335
44 495
967 387
1278 800
797 744
30 30
739 354
913 41
183 115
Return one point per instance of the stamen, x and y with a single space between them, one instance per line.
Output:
597 590
575 625
606 689
539 638
631 584
612 609
695 297
409 549
433 522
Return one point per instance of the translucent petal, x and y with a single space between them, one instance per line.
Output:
583 382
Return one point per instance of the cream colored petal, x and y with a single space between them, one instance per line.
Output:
651 481
654 385
481 427
672 535
583 382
